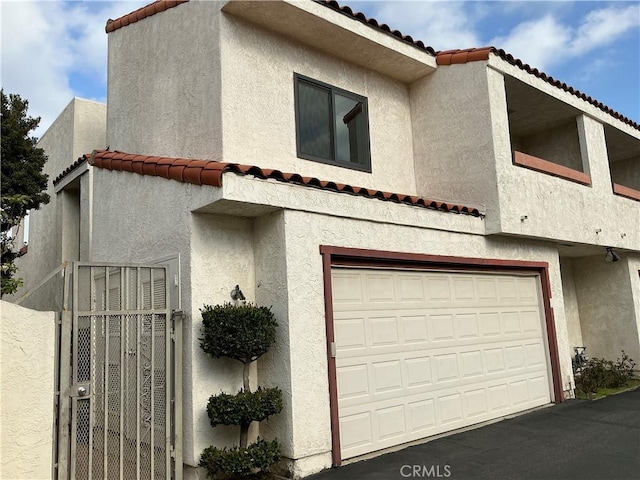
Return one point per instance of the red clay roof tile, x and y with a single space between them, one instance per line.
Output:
142 13
209 172
345 10
68 170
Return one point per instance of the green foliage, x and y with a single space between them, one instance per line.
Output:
244 407
243 332
601 373
240 462
23 183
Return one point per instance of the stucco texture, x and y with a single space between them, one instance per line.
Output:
79 129
27 392
608 315
158 103
453 143
535 204
306 419
571 308
258 114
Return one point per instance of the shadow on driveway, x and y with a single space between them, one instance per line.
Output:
577 439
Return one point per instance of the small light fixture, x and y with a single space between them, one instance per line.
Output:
611 255
237 296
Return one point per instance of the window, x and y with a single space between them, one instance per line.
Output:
332 125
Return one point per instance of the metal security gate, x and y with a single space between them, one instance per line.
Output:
119 410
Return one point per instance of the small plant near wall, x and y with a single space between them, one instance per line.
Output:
244 333
603 377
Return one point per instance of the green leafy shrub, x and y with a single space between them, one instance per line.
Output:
243 332
601 373
244 407
240 462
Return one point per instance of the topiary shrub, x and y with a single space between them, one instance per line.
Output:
240 462
244 333
244 407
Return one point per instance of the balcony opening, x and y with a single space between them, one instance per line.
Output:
623 152
544 133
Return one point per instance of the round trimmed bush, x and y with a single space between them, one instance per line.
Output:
242 332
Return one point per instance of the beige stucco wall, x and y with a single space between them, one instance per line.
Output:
560 145
634 280
626 172
606 301
164 85
305 321
571 308
79 129
555 208
453 145
258 108
27 365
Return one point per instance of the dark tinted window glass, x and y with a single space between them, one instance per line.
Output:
314 124
350 130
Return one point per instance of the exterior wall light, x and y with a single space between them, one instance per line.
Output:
611 255
237 296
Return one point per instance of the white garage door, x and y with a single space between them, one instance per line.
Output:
421 353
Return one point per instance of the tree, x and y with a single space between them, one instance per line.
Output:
23 183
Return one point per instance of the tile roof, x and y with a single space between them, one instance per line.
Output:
451 57
144 12
68 170
209 172
345 10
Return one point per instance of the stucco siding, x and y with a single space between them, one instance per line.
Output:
27 364
559 145
221 257
258 110
305 303
78 129
607 307
453 145
634 279
626 172
571 307
535 204
164 84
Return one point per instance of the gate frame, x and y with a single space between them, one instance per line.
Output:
64 381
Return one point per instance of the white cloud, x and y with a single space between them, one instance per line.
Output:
547 41
44 43
603 27
537 42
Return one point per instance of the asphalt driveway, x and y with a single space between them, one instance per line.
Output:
577 439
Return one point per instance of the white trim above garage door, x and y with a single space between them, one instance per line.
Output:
418 353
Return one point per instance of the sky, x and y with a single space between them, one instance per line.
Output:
53 50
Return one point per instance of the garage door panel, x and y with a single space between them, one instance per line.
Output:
443 410
422 353
382 331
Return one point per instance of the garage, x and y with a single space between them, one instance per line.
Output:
421 352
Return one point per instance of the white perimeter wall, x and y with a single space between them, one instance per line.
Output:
27 365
